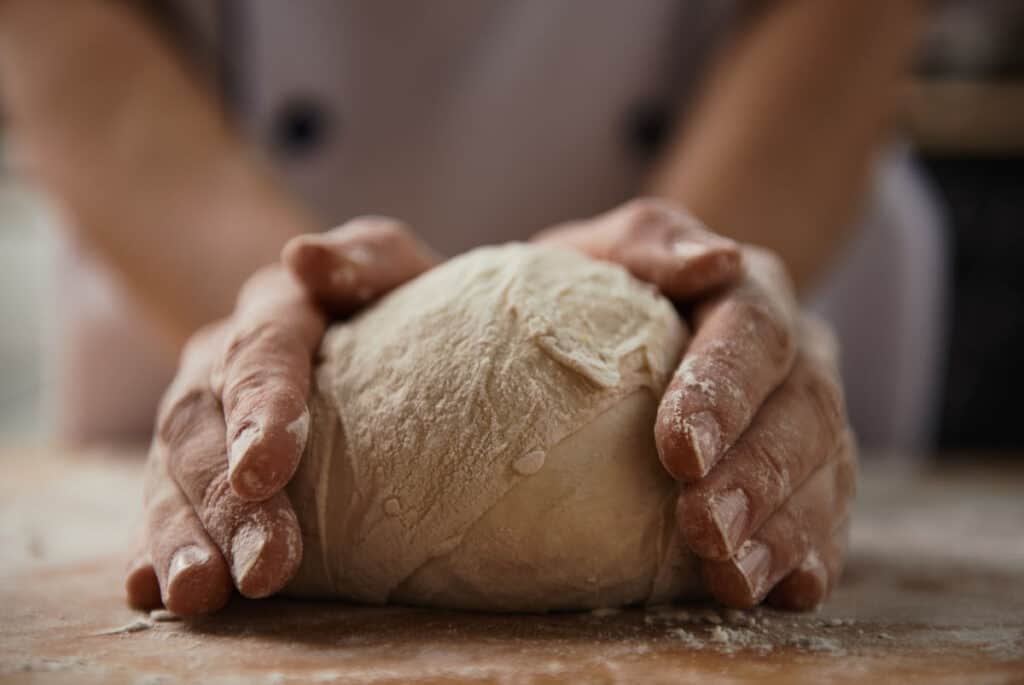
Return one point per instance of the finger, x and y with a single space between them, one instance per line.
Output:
657 242
262 376
142 589
260 541
817 575
798 428
803 523
192 575
365 258
743 347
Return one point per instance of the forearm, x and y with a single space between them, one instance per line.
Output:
138 157
779 149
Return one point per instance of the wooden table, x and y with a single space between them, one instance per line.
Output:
934 593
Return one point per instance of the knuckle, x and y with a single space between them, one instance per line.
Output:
258 393
826 398
216 493
182 414
765 326
243 339
177 519
643 217
219 508
772 473
161 499
261 354
715 377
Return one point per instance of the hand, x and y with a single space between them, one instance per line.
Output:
233 425
753 422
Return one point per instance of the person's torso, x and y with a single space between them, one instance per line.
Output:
475 121
482 121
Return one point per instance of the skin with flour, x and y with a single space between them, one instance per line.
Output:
767 516
506 460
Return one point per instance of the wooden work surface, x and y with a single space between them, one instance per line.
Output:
934 593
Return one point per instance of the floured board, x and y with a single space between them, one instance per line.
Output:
934 593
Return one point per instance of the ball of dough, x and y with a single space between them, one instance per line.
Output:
482 438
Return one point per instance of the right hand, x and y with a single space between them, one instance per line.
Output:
233 424
753 422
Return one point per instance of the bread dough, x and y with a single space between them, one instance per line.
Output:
482 438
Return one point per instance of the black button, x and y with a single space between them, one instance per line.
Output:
301 126
647 128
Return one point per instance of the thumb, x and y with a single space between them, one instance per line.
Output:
347 267
657 242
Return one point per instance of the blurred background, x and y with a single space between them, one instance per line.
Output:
26 248
964 117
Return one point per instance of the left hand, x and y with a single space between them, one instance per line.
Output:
753 421
233 425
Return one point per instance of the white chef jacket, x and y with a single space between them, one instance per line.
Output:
483 121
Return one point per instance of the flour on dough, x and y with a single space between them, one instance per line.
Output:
482 438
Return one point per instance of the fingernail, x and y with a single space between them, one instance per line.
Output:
705 438
184 559
754 561
689 249
243 442
729 511
815 582
247 476
814 568
299 429
246 545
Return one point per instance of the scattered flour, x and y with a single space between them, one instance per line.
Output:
530 463
163 616
760 630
